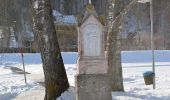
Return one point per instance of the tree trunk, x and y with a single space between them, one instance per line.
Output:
114 60
114 52
116 14
6 36
56 81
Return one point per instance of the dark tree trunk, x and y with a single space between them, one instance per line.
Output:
56 81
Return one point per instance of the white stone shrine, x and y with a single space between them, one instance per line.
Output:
91 51
92 81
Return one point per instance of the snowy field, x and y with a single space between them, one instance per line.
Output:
12 86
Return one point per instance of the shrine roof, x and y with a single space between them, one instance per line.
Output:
90 10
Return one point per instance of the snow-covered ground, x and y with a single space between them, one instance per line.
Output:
12 86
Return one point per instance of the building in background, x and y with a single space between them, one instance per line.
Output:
66 30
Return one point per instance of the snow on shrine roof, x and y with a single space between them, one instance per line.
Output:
64 19
90 10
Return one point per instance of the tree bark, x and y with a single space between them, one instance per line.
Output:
56 81
114 53
115 14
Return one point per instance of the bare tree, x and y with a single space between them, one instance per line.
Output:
116 12
6 19
56 81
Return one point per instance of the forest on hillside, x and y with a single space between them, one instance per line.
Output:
17 29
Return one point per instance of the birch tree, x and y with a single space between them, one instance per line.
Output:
116 11
56 81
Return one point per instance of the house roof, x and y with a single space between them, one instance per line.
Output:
64 19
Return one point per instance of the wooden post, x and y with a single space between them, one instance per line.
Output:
22 55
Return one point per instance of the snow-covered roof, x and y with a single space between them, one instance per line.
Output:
143 1
64 19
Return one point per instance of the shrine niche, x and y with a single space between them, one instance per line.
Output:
92 40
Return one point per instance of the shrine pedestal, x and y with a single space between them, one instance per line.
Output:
91 66
92 87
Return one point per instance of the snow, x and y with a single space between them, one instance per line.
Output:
135 63
36 4
145 56
135 88
12 84
143 1
64 19
68 95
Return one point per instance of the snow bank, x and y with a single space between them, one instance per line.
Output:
68 95
145 56
34 58
70 57
161 56
15 58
